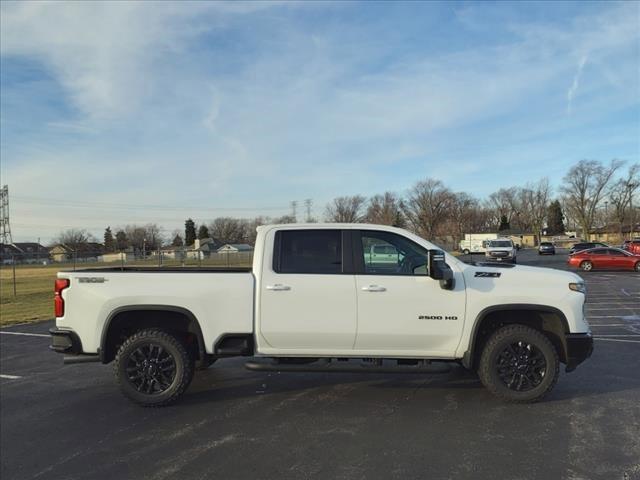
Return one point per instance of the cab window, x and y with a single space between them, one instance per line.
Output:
385 253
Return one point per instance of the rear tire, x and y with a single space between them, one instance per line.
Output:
637 267
466 251
587 266
519 364
153 368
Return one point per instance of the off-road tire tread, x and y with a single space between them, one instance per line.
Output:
187 360
485 367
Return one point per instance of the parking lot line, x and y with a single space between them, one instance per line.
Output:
26 334
10 377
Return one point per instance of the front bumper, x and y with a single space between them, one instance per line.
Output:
579 348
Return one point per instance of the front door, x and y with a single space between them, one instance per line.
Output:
307 303
401 310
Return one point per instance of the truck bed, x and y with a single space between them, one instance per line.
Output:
186 269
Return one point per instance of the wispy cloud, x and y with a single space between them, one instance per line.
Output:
576 82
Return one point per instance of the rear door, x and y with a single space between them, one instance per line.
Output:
307 293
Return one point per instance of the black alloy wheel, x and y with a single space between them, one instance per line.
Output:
521 366
151 369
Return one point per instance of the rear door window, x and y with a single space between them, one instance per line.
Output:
308 251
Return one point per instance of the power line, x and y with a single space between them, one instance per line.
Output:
83 204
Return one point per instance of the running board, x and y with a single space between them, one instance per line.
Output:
349 367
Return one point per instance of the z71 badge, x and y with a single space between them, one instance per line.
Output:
488 274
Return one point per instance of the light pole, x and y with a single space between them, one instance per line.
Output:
631 186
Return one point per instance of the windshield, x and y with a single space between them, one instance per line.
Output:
501 243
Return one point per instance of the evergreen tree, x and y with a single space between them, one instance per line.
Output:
122 242
203 232
109 241
555 225
189 232
177 241
504 223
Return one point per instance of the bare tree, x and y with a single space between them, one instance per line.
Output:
584 187
385 210
467 216
428 206
74 238
535 205
144 237
228 230
346 209
503 204
621 193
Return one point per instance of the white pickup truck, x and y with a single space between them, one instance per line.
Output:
316 300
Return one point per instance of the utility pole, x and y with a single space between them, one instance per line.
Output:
5 227
631 187
307 205
294 207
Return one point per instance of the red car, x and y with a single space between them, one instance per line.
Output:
632 246
608 258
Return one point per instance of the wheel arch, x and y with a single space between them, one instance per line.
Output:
131 318
549 320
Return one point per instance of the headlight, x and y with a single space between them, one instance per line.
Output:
578 287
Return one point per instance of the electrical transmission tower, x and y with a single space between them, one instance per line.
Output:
5 227
307 205
294 208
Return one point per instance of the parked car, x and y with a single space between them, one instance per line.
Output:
585 246
632 246
316 297
607 258
546 248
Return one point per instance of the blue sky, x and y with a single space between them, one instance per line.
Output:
111 111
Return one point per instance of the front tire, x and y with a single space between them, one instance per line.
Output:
153 368
587 266
637 267
466 251
519 364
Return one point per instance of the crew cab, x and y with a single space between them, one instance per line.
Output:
319 299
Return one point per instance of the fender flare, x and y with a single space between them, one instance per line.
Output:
156 307
467 359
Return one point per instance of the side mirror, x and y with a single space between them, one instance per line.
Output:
439 270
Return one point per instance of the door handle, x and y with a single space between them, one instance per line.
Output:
374 288
278 287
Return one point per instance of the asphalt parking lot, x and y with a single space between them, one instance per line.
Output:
71 422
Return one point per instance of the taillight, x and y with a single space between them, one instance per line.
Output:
58 301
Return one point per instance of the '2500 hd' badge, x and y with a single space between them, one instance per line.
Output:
437 317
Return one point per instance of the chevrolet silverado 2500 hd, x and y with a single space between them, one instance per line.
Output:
318 297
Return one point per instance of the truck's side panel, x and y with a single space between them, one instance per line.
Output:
221 302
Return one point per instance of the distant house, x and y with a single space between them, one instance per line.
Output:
171 252
125 256
9 253
202 248
32 251
235 248
85 252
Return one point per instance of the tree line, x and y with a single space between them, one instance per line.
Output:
591 194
